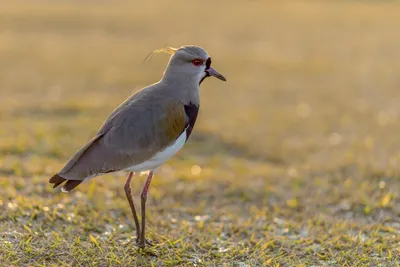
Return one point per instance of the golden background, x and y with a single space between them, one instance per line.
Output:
293 161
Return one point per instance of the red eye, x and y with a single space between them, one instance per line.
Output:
197 62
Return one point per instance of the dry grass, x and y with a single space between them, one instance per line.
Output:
299 151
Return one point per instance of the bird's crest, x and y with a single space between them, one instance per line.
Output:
168 50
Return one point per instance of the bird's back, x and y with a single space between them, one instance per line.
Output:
143 125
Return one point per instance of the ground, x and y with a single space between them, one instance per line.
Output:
293 162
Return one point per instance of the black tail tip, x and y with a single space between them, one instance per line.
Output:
56 180
68 186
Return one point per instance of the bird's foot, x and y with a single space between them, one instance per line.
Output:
143 243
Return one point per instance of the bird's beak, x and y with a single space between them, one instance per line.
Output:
216 74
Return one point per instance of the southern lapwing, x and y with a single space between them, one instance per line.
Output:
145 130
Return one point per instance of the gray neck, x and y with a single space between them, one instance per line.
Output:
184 87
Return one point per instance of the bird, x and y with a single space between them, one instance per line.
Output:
146 130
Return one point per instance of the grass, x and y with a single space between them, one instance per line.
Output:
293 162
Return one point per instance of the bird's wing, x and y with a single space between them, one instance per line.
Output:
134 132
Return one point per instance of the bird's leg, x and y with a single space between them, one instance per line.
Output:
143 196
128 193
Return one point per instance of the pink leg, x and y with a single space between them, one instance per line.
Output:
128 193
142 240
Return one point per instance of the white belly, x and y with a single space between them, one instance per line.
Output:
161 157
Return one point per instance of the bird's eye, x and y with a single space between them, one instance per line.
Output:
197 62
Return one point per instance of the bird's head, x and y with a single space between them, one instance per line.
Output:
190 61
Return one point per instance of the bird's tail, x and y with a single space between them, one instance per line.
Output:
68 186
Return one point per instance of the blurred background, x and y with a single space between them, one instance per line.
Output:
294 160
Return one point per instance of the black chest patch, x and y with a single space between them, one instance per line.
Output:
191 111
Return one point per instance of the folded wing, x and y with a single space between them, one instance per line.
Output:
133 133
